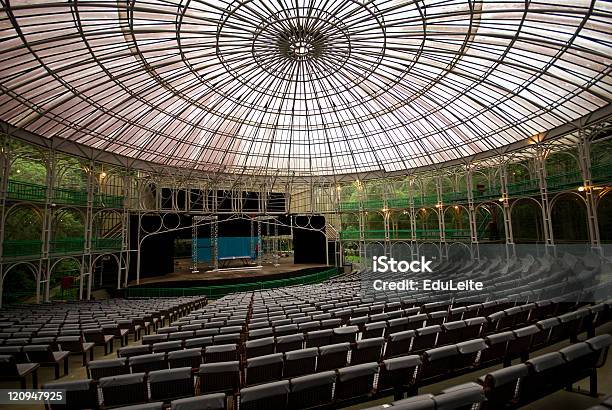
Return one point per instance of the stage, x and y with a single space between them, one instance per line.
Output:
183 277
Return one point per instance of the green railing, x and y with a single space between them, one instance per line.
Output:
374 204
349 234
32 248
425 200
601 173
494 192
404 234
454 197
526 187
106 243
26 191
69 196
349 206
563 181
400 234
66 245
398 203
15 249
108 201
457 233
215 292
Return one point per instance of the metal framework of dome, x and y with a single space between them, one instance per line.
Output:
305 87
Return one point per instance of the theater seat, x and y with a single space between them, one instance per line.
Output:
300 362
345 334
500 386
124 389
545 375
265 396
461 397
317 338
421 402
97 369
355 381
220 377
333 356
171 383
437 363
80 394
264 369
259 347
312 390
289 342
148 362
367 350
398 373
399 343
216 401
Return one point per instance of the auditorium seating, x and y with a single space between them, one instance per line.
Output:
340 343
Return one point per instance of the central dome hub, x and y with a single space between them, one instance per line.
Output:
301 48
299 45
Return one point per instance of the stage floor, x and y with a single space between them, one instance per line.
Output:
285 269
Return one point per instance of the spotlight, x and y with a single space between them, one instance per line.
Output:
456 207
580 189
18 171
501 199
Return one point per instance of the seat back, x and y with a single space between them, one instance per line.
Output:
425 338
191 358
131 351
124 389
289 342
70 343
171 383
265 396
220 377
16 352
437 363
264 369
355 381
8 365
300 362
148 362
39 353
165 347
367 350
220 353
545 374
332 357
398 372
312 390
97 369
399 343
500 386
215 401
318 338
461 397
79 394
259 347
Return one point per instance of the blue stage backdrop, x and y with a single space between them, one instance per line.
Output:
239 246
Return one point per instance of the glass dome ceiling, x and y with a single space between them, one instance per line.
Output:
301 87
